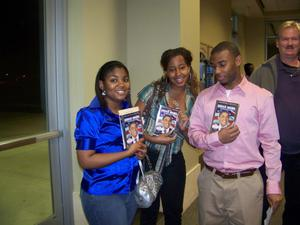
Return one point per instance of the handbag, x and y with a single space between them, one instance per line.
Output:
148 184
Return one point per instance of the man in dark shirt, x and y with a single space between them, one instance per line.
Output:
281 76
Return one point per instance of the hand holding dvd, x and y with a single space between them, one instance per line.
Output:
228 134
139 149
183 121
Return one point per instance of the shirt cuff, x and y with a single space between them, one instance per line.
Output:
213 140
273 187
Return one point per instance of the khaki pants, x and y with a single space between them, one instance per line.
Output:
229 201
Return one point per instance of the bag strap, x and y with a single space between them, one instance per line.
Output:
163 161
141 168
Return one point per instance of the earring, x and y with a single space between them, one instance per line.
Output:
103 93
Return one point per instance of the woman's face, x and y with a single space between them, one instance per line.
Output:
178 71
116 85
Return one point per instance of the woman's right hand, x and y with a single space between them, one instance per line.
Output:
139 149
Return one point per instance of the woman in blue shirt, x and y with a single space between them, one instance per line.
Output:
177 88
109 170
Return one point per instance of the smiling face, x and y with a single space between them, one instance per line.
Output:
288 43
166 122
226 68
116 85
178 71
133 129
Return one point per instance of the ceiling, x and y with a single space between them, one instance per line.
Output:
268 9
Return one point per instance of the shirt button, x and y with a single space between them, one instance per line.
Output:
226 147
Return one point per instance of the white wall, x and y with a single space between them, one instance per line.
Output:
152 27
96 34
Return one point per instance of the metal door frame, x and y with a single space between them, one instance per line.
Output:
58 108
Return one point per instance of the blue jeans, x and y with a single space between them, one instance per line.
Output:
116 209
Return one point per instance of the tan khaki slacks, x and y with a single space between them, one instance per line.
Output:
229 201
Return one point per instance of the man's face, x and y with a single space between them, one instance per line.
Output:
133 130
223 118
166 122
226 68
288 43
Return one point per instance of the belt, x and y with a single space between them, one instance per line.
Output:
232 175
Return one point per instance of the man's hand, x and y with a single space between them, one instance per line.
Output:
274 200
228 134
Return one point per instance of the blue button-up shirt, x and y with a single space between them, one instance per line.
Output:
98 129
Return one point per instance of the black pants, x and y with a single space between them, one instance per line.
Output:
266 205
291 167
171 193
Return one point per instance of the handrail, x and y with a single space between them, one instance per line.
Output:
27 140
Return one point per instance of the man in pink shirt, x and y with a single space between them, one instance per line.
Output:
230 185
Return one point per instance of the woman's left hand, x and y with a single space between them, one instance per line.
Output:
183 122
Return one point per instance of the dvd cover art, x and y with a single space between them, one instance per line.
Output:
166 120
225 114
131 125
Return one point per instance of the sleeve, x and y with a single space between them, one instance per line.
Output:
263 77
199 135
255 77
268 137
146 93
87 129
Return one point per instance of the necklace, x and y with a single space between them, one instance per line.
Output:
297 71
173 103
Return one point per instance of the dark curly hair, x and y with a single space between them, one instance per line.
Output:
161 84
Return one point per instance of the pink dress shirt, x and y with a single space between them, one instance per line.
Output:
257 123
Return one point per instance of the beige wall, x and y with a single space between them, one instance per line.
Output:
215 23
190 30
255 46
190 39
215 26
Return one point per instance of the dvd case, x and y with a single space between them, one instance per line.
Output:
166 120
131 125
225 114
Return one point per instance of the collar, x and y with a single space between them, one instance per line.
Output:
240 88
95 104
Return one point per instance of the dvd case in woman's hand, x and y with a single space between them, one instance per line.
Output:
131 125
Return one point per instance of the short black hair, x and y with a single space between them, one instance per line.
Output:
226 45
248 68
